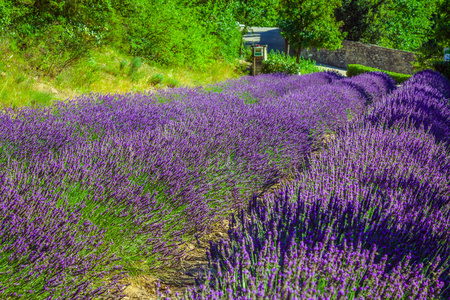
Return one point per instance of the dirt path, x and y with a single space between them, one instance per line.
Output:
177 279
333 69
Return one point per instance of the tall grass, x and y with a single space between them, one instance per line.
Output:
106 70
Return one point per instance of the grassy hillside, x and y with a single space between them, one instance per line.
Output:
107 70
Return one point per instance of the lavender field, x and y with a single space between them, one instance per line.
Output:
105 186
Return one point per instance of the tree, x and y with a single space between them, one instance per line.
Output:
163 31
358 16
398 24
431 50
218 17
442 29
306 23
254 13
405 25
54 34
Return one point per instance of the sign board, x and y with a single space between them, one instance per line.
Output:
446 54
258 51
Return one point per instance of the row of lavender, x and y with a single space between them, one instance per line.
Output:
370 218
108 185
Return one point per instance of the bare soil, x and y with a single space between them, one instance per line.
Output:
177 279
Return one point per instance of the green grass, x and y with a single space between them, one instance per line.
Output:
105 71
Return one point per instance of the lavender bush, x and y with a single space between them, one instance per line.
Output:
294 252
49 251
107 185
433 79
270 86
374 85
418 104
369 219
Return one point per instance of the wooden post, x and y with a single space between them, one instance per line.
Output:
259 53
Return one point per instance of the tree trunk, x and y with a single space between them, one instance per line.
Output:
299 49
243 32
286 47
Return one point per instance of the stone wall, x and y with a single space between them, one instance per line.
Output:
364 54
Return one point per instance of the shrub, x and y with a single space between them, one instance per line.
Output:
280 63
156 79
172 82
53 35
135 64
442 67
174 36
247 53
355 69
123 63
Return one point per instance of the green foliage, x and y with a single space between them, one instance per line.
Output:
429 53
443 67
53 34
173 34
228 35
358 16
247 53
41 99
171 82
156 79
218 18
255 12
280 63
135 63
405 25
355 69
106 70
397 24
431 50
122 64
306 23
442 29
